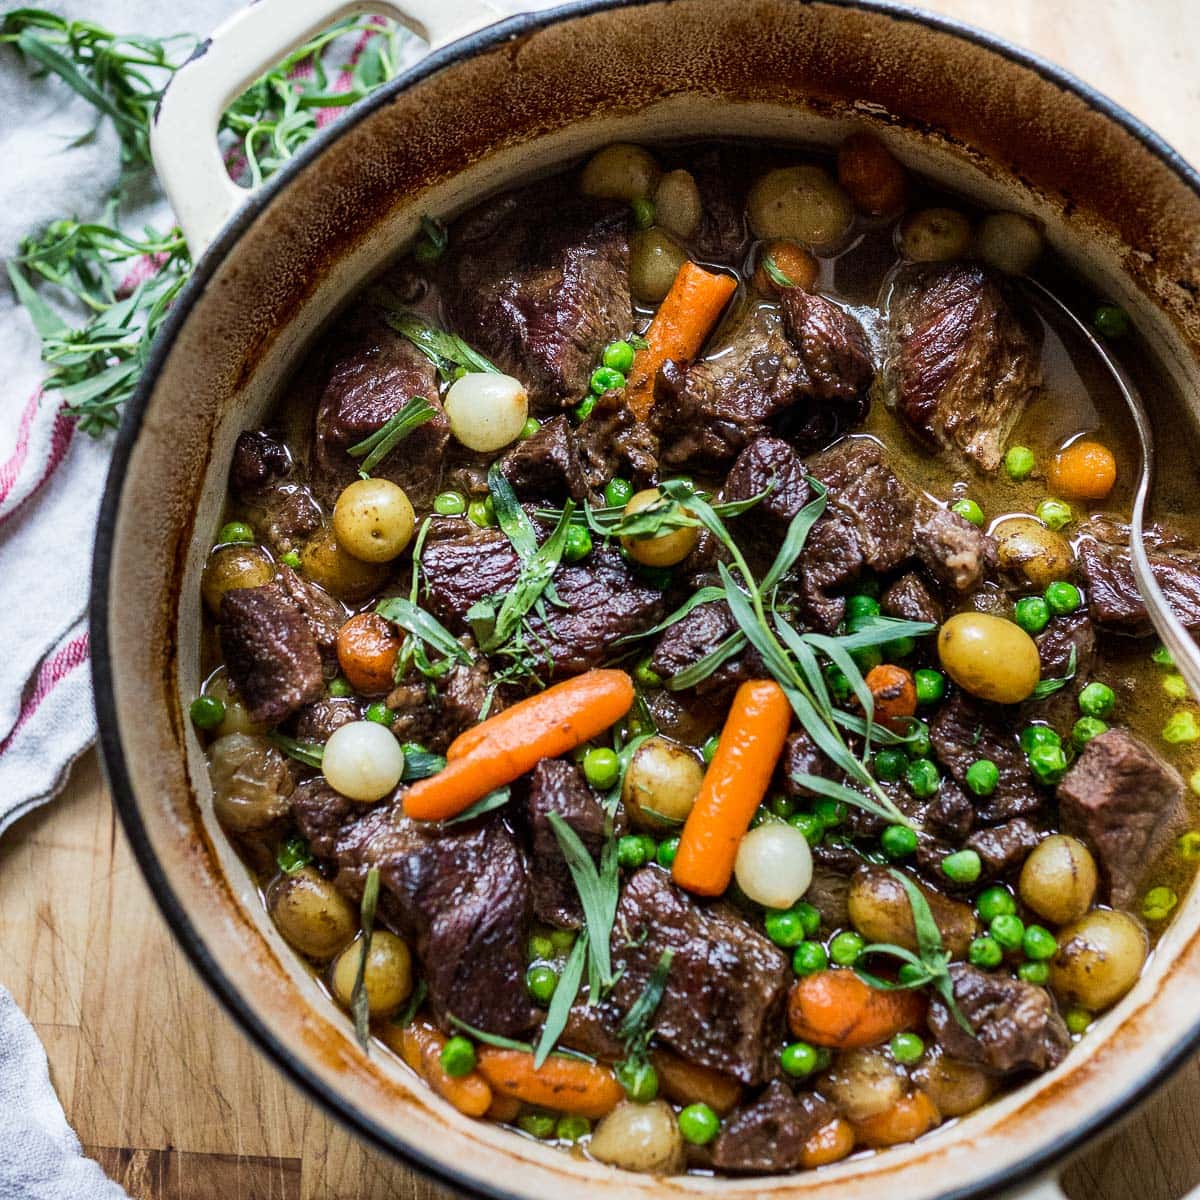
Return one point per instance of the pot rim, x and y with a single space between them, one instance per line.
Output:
109 735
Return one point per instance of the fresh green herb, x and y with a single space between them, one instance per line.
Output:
929 967
560 1004
489 803
375 448
433 241
360 1008
636 1029
405 1017
293 854
447 351
702 596
420 763
1047 687
424 627
504 1043
310 754
778 277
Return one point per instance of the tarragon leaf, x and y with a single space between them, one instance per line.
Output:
447 351
375 448
486 804
562 1000
311 754
422 625
597 896
359 1005
1047 687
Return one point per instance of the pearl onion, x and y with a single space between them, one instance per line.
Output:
486 411
363 761
774 865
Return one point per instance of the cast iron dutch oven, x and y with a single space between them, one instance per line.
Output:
490 105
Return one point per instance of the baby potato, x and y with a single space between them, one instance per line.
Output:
236 566
935 235
313 916
1009 241
1026 548
677 204
621 171
663 549
251 782
373 520
879 909
236 718
989 657
1099 959
957 1088
654 260
640 1137
326 562
387 977
864 1083
803 204
870 174
661 784
1058 880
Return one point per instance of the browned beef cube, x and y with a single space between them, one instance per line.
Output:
1126 804
1073 632
1114 600
769 465
1003 848
538 280
686 642
912 599
547 465
613 442
433 718
959 555
324 614
270 652
767 1135
315 722
259 460
1016 1025
802 756
965 357
282 512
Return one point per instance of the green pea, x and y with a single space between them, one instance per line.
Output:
482 513
839 685
810 917
1175 686
618 356
1110 321
665 854
639 1079
1048 764
846 948
1158 903
1019 463
1008 929
1162 656
540 1125
923 778
912 976
450 504
340 688
983 776
541 982
234 531
631 853
1054 514
899 648
784 928
1188 845
571 1127
918 743
808 958
541 946
1078 1019
898 841
646 676
1039 943
995 901
601 768
890 764
969 511
531 426
810 825
583 409
1034 972
563 940
799 1059
1038 735
643 212
906 1048
861 605
930 685
1032 614
1063 597
985 952
963 866
618 492
207 712
867 658
378 712
605 379
458 1057
290 558
578 544
1085 729
1181 726
709 749
781 806
829 812
698 1124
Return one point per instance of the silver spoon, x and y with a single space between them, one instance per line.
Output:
1167 625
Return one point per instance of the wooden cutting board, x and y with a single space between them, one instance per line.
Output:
163 1089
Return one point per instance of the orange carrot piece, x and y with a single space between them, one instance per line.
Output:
790 259
894 692
831 1143
504 747
564 1084
420 1045
690 1083
905 1121
680 328
837 1009
734 785
1083 471
367 646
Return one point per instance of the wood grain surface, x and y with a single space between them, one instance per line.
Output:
162 1088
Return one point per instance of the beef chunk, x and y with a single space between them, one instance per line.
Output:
769 463
1017 1027
538 280
965 730
324 614
1055 644
434 721
810 356
722 177
558 786
829 894
601 600
1114 600
802 756
1126 803
685 643
321 814
259 460
612 441
964 357
282 512
270 652
949 814
463 897
367 373
767 1135
912 599
547 465
315 722
1003 848
957 553
723 1002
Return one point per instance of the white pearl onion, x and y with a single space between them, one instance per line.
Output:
486 411
774 865
363 761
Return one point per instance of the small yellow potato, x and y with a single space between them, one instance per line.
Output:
1028 549
1058 880
373 520
774 865
879 909
326 562
236 718
654 260
387 978
620 172
664 549
677 204
251 782
864 1083
486 411
1099 959
661 784
990 657
237 566
803 204
311 914
935 235
363 761
640 1137
957 1088
1009 241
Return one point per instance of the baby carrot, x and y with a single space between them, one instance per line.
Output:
837 1009
420 1045
894 693
367 646
1083 471
679 330
734 785
563 1084
504 747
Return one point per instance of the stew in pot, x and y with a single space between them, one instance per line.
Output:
676 671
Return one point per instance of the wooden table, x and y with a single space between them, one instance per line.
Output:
161 1086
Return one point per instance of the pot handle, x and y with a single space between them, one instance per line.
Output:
183 138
